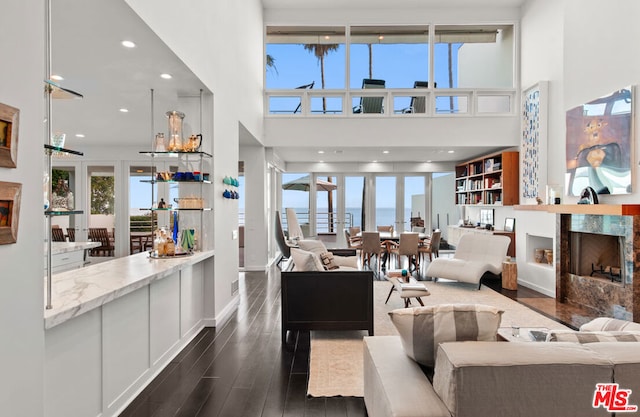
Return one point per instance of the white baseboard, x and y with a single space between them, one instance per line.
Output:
537 288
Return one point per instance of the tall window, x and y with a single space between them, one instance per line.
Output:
307 57
479 56
397 54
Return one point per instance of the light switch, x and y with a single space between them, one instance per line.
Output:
234 235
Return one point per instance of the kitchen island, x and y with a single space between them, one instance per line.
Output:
115 325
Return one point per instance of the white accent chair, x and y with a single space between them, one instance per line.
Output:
475 255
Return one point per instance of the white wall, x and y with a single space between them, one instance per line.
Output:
443 203
21 296
256 216
473 72
221 42
600 56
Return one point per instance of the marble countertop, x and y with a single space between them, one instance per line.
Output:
77 291
66 247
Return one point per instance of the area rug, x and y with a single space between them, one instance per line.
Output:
335 363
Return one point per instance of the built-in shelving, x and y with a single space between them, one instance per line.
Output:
488 180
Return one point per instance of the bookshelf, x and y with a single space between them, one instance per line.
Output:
488 180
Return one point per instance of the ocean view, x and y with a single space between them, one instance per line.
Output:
384 216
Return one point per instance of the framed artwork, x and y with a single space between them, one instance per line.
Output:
9 211
533 146
600 146
509 224
9 118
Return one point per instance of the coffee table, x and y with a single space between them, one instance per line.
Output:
526 334
407 287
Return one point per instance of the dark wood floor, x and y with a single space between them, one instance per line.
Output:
243 370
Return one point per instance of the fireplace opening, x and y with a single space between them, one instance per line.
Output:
598 256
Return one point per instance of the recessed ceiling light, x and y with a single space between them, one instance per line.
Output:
139 170
128 44
320 151
57 77
428 160
451 151
123 110
327 37
79 135
321 161
385 152
374 161
166 76
380 37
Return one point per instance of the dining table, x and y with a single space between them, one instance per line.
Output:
389 239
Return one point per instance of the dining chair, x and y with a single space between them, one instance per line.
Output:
285 248
101 234
431 246
371 247
388 229
57 235
71 234
407 246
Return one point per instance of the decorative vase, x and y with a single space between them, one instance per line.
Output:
539 255
175 130
548 254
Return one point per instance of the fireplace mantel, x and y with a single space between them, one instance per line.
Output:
598 209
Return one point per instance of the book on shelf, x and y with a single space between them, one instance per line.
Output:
488 165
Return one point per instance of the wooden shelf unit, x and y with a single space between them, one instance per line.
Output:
490 180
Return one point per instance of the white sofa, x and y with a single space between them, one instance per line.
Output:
475 255
484 378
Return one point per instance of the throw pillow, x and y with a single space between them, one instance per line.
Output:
592 337
305 261
327 261
422 329
610 325
315 246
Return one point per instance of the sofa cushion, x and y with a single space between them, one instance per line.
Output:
422 329
305 261
327 261
315 246
610 325
520 379
626 363
394 385
591 337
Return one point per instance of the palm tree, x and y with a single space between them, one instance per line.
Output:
370 60
271 63
320 51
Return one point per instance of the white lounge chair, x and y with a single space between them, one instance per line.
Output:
475 255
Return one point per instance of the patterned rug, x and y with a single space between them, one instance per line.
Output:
335 367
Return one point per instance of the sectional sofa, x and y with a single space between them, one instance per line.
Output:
491 378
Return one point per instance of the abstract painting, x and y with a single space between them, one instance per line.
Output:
534 140
599 145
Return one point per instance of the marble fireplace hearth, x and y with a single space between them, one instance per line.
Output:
618 297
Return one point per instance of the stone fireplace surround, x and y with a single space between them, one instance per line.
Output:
600 296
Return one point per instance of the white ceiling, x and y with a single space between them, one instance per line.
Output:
382 4
381 155
86 50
